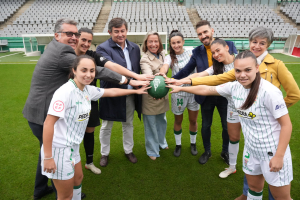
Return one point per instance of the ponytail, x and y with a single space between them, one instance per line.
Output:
172 52
255 84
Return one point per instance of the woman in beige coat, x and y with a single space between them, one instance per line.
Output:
154 110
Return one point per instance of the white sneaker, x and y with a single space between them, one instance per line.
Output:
227 172
93 168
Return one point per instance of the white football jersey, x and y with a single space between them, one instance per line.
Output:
259 122
182 59
73 107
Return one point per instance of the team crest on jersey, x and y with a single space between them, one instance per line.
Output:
87 98
82 117
247 115
246 158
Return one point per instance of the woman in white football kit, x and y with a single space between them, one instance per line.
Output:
265 123
65 125
177 59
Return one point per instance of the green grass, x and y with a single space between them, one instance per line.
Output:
167 177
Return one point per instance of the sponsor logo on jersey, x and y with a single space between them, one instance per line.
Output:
98 89
237 98
83 117
58 106
247 115
280 106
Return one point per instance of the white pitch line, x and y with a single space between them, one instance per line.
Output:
34 60
10 54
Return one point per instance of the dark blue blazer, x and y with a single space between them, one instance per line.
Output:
114 108
200 62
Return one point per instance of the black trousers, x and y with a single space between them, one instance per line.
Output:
41 181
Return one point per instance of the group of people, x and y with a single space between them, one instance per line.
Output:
62 108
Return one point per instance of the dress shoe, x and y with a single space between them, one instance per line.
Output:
225 157
131 157
49 190
204 157
83 195
194 149
103 161
177 150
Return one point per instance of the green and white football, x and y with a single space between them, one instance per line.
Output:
158 87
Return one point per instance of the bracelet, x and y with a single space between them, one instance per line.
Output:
48 158
128 81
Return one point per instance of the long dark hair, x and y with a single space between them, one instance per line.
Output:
172 52
255 84
76 63
218 67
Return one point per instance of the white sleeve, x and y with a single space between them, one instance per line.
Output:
168 60
276 104
58 103
95 92
225 89
210 70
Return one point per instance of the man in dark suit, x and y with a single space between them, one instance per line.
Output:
127 54
201 60
50 73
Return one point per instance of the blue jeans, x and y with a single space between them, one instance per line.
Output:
155 132
207 111
246 187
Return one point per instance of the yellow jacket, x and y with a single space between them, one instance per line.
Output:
270 69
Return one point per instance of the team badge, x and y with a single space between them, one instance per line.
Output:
156 83
246 159
87 98
179 103
58 106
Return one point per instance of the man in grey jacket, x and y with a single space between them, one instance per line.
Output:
50 73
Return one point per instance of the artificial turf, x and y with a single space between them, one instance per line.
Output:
168 177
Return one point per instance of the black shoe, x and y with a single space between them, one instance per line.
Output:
83 195
49 190
225 157
103 161
194 149
204 157
177 150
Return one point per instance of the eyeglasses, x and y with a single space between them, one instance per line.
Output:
70 34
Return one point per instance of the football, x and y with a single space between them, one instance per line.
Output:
158 87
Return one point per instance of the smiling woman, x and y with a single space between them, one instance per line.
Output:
265 123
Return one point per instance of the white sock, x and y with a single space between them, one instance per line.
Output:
233 150
193 136
178 139
254 195
77 193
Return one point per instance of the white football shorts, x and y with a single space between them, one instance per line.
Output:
179 103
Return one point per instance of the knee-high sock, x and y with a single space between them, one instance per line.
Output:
193 136
88 142
233 150
178 136
77 192
254 195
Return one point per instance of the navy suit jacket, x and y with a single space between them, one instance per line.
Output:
200 62
114 108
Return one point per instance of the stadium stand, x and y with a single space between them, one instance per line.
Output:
42 15
235 21
8 8
156 16
292 10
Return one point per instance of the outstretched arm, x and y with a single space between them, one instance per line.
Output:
116 92
203 90
215 79
187 70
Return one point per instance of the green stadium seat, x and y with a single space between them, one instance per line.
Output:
245 45
238 45
272 46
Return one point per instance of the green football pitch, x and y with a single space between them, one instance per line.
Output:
168 177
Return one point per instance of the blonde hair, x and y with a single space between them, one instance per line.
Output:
144 45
